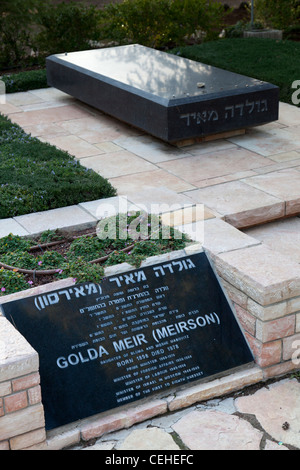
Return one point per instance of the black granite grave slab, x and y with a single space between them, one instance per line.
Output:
165 95
134 335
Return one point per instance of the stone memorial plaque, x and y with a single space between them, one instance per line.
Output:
134 335
168 96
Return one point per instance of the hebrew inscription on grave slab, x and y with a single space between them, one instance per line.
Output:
132 336
168 96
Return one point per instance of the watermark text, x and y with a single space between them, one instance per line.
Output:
296 94
127 221
296 353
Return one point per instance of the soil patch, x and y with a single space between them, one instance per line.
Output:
59 246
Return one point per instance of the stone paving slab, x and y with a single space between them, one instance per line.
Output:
147 439
271 280
215 164
116 164
76 146
206 430
268 143
283 184
160 201
65 217
8 226
265 159
273 407
282 236
12 359
221 237
264 419
103 208
240 204
150 180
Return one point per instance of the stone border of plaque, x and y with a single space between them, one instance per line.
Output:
136 334
241 262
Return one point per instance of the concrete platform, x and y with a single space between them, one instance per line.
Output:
261 183
168 96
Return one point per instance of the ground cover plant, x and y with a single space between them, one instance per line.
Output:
26 263
277 62
36 176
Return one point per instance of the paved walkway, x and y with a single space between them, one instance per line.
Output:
243 180
268 419
250 176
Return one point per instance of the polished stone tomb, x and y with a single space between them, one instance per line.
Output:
136 334
168 96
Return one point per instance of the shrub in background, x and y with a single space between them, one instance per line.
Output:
144 22
279 14
292 33
32 29
16 20
204 16
66 27
161 23
237 30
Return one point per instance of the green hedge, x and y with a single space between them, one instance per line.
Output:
35 176
24 81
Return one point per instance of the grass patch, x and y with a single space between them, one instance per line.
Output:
36 176
276 62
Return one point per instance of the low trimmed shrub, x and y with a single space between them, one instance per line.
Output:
24 81
36 176
237 30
